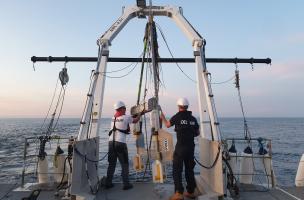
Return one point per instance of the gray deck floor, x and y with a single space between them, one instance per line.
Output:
140 191
7 192
147 191
251 192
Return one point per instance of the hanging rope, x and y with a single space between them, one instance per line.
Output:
148 144
161 81
124 74
86 159
222 82
214 162
247 135
143 63
123 68
60 111
164 38
63 78
119 70
90 160
155 55
148 79
48 112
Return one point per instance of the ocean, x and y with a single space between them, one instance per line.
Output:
286 135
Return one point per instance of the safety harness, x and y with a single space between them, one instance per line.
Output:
127 131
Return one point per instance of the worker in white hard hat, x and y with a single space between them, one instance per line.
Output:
186 128
117 144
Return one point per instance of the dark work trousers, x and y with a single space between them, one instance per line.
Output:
183 156
120 151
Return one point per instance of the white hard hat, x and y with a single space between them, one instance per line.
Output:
119 104
182 102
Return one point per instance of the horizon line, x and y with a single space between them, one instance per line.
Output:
20 117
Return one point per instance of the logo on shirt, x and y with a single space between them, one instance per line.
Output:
183 122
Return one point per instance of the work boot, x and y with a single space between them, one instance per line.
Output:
190 195
127 187
109 185
177 196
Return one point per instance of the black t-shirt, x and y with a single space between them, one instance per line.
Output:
186 128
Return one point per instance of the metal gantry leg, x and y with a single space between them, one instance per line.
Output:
90 120
207 109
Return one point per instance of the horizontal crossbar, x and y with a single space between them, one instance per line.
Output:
161 60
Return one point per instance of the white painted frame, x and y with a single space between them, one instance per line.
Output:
91 119
205 98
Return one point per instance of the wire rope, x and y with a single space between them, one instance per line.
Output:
164 38
82 155
223 82
247 134
48 112
123 68
60 111
128 73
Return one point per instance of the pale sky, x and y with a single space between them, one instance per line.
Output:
238 28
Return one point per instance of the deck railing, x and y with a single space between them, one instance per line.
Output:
255 168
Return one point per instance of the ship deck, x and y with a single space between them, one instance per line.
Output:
152 191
